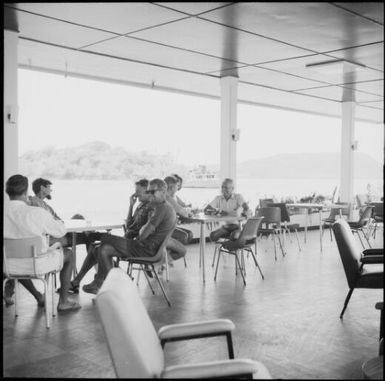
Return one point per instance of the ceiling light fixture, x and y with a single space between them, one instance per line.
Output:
335 66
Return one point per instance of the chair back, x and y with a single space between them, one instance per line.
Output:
263 202
250 229
348 249
365 216
378 210
361 200
272 215
340 209
17 249
284 212
133 343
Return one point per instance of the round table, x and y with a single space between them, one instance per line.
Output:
373 368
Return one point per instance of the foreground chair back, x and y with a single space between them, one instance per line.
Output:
22 259
136 348
356 275
149 262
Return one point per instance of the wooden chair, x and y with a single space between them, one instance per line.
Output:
137 350
247 238
22 259
357 275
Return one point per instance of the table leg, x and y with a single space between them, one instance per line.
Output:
320 229
306 218
75 271
202 249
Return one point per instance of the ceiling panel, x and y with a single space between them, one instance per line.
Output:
371 10
265 96
298 67
210 38
301 23
369 55
193 8
57 32
336 93
373 87
271 78
89 65
159 54
119 18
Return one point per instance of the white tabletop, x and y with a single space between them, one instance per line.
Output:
78 226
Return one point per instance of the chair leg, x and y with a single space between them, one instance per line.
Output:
331 235
16 298
367 239
215 253
166 264
230 345
256 263
356 231
240 269
280 244
148 280
346 302
161 285
53 288
184 259
296 234
275 249
47 317
216 269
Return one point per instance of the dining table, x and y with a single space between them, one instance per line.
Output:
81 226
308 206
203 220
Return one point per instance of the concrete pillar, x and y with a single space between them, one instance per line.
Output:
347 153
229 132
10 126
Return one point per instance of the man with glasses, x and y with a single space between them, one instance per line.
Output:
227 204
160 222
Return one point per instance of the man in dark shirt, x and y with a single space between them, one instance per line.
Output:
133 224
160 222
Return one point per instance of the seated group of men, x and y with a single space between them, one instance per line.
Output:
145 229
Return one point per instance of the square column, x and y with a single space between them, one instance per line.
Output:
347 153
10 130
229 132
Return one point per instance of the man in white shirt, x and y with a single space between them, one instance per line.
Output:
23 221
227 204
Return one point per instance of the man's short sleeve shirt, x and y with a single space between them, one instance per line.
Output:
233 204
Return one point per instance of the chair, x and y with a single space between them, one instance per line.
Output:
377 216
272 222
22 259
338 209
357 275
247 238
263 202
149 262
358 226
136 349
285 219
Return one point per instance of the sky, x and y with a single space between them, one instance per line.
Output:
65 112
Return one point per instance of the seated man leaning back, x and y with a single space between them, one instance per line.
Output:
135 220
24 221
228 204
161 221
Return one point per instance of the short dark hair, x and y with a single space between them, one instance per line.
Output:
16 185
170 180
178 178
142 183
36 184
160 184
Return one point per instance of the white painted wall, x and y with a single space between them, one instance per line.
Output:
10 127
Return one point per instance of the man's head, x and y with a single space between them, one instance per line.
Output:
227 187
17 187
140 190
157 189
179 181
42 188
172 185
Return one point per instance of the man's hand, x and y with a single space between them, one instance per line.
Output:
133 198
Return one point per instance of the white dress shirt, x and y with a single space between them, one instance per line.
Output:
23 221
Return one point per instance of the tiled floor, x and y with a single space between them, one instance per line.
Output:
289 321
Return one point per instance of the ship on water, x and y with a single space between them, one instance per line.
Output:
202 177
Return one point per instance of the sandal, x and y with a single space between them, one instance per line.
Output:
74 288
71 306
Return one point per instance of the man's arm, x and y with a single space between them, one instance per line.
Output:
213 205
52 227
130 219
146 230
178 209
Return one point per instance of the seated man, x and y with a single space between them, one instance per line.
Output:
134 222
180 237
160 222
228 204
23 221
178 188
42 189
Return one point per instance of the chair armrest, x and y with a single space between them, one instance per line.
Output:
370 259
184 331
226 368
373 252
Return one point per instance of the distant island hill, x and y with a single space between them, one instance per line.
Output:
98 160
